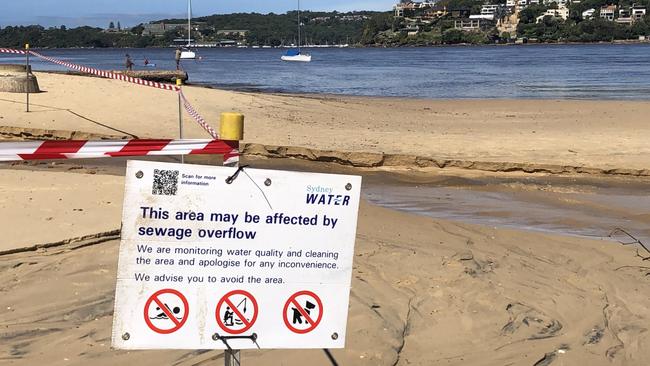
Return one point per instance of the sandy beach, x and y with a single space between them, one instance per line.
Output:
592 134
425 291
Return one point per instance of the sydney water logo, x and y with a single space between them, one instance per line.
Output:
319 195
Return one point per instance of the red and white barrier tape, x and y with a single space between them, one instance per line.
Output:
111 75
197 117
83 149
11 50
108 74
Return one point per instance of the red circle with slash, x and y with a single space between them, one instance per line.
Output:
312 323
227 300
167 312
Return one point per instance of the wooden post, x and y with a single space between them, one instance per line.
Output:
27 73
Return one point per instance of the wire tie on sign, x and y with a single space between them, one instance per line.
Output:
225 339
266 183
232 178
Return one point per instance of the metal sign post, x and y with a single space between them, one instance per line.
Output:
231 128
179 82
27 73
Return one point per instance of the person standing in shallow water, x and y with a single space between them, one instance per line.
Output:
178 58
128 63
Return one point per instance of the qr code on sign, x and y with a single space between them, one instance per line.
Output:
165 182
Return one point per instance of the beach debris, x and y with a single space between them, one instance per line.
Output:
595 335
625 238
530 322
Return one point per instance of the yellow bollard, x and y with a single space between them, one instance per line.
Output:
232 126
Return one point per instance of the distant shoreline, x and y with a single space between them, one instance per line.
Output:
377 46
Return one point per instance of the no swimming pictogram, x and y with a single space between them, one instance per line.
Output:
237 312
166 311
303 312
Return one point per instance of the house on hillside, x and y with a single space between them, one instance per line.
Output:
608 12
637 12
624 16
467 24
559 13
408 8
496 11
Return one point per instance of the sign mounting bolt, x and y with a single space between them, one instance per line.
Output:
348 186
215 337
268 182
139 174
335 336
126 336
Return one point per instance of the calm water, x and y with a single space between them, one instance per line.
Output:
541 71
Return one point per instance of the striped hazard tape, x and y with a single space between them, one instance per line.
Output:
11 50
197 117
108 74
84 149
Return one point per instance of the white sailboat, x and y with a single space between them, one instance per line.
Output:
187 53
296 55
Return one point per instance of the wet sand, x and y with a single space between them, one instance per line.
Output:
425 291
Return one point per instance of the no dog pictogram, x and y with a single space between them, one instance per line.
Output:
303 312
236 312
166 311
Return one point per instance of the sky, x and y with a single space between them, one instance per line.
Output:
99 13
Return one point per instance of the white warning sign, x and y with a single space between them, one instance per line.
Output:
215 255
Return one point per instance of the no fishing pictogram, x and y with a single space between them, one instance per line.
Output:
303 312
166 311
236 312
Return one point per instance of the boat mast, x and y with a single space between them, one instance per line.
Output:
299 27
189 23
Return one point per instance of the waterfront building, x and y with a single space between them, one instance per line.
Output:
608 12
559 13
637 12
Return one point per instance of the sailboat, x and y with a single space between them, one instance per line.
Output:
294 54
187 53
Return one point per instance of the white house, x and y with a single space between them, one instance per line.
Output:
559 13
607 12
637 12
558 2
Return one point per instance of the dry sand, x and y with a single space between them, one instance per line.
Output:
424 291
602 134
